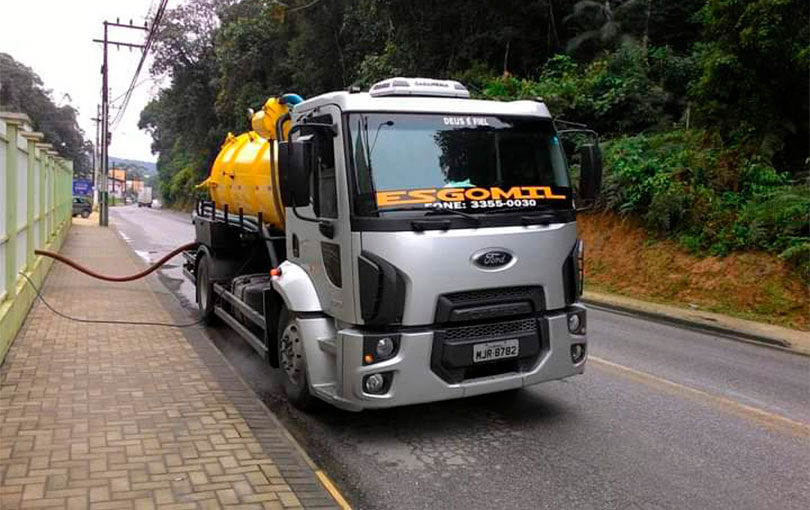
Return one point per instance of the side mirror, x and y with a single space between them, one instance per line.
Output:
590 178
295 165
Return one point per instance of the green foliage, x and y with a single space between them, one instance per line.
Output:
22 90
613 94
754 74
716 199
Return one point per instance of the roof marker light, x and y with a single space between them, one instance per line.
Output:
419 87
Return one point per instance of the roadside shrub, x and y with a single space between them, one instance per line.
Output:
713 198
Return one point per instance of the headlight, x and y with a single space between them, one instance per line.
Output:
576 321
384 348
379 347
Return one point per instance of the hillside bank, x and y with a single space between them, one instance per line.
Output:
623 258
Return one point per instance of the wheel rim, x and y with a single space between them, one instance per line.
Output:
291 354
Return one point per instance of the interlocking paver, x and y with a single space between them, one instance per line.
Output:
105 416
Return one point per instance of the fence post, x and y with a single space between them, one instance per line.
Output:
52 202
32 138
14 123
60 193
69 190
61 183
44 166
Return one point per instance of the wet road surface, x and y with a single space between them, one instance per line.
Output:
664 417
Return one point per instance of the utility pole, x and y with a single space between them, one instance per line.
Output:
103 217
96 157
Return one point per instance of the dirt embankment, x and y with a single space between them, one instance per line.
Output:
622 258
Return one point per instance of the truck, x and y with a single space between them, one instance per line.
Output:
400 245
145 197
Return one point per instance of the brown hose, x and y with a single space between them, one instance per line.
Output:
129 278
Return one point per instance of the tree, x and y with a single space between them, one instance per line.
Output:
607 25
754 75
22 90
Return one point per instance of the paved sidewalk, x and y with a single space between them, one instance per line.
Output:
134 417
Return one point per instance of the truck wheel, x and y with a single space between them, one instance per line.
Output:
205 291
85 214
292 362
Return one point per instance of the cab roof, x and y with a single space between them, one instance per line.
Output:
364 102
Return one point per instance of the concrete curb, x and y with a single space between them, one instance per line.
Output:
731 327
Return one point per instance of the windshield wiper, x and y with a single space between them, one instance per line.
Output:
522 210
423 225
429 211
399 209
433 212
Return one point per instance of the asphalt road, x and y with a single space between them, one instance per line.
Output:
664 418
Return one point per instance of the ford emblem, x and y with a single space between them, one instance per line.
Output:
492 259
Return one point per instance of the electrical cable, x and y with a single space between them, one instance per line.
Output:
105 321
147 45
128 278
136 276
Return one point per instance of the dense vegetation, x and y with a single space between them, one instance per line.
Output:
702 104
22 90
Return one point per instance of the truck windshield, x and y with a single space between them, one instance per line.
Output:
474 163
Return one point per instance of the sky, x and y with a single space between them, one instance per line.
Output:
54 38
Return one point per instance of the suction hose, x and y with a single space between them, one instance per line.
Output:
129 278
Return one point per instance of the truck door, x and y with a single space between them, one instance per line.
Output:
323 247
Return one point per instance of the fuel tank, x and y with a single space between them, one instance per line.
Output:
245 174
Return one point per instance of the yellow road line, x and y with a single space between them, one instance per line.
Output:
767 418
333 490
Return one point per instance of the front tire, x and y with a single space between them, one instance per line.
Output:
85 214
292 362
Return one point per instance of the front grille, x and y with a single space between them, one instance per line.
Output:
499 294
483 304
491 330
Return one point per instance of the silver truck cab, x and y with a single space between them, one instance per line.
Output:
431 247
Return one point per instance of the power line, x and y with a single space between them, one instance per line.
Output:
147 45
113 100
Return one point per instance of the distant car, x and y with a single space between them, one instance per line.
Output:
82 207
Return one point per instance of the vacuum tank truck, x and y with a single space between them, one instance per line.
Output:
402 245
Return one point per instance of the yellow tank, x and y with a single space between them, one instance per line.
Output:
245 176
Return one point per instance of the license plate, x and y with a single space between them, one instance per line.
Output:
495 350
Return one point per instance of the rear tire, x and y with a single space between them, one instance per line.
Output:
292 362
85 214
205 290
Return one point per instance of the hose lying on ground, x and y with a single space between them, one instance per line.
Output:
129 278
105 321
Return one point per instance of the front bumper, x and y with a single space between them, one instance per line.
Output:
414 381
